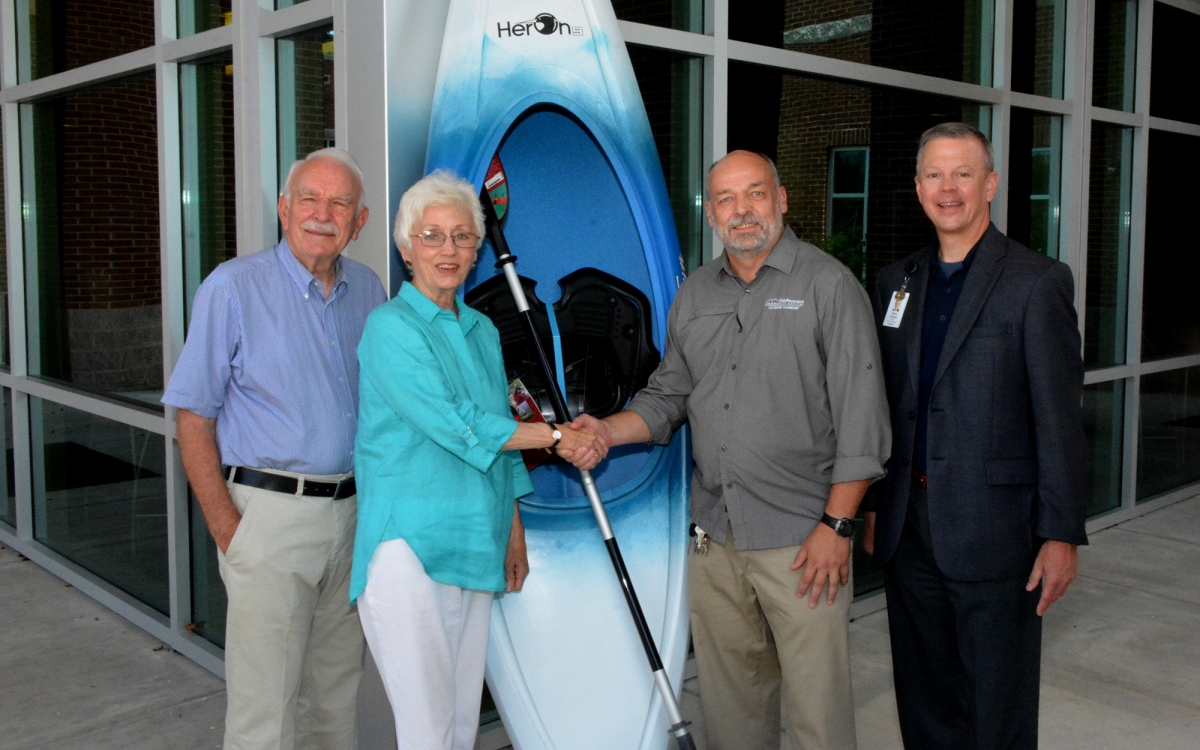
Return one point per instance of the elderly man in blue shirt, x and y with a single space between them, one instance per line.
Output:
267 391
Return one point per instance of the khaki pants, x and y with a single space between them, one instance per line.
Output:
293 647
773 672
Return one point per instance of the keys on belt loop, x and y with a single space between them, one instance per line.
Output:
701 539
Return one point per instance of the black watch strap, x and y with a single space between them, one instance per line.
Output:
843 526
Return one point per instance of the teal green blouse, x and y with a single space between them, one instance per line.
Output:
433 415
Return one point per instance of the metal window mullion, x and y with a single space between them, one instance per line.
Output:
85 76
203 44
254 127
1174 126
93 404
294 19
716 102
1076 151
1137 250
673 40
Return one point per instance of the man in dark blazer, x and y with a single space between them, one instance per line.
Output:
977 521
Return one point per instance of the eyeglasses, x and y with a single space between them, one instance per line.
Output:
434 238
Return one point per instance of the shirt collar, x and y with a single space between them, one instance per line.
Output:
302 277
935 260
782 257
428 310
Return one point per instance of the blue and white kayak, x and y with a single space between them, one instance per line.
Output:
549 86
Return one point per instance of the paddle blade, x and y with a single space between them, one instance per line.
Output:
496 186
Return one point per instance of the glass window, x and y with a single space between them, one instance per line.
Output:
304 93
1173 64
1115 52
1169 446
8 506
1039 36
5 349
671 86
58 35
94 281
1170 316
805 122
846 214
1109 197
287 3
100 497
1034 176
208 190
201 15
1103 423
890 35
209 602
686 15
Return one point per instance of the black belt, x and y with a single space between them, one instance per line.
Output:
265 480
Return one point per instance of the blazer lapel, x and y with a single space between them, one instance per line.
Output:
912 322
984 273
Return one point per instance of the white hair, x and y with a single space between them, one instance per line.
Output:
332 152
439 188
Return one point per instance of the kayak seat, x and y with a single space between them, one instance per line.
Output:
604 329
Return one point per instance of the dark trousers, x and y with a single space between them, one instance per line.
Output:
966 655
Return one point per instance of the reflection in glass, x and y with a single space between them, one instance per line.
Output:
8 505
1115 45
1169 446
805 122
89 170
100 497
304 93
846 215
671 87
1109 197
1173 64
206 137
890 35
1103 423
1034 176
208 591
1170 315
1039 38
201 15
685 15
58 35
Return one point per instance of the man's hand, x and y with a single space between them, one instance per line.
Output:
594 453
584 446
516 558
869 532
1056 566
198 447
825 557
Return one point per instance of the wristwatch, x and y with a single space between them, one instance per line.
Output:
557 435
843 526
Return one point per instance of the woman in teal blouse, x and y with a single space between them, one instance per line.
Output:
438 473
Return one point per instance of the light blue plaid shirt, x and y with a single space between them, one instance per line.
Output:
274 361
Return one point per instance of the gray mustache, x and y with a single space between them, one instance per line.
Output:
325 227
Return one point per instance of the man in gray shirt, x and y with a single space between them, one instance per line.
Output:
772 358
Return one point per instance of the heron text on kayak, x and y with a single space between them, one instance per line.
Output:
544 23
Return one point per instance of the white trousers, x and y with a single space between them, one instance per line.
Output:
429 640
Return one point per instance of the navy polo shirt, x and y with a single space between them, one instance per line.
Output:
941 297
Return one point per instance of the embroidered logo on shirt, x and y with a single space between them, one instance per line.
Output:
782 303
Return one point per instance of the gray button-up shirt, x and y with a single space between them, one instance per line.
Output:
780 380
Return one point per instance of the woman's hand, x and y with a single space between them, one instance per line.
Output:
582 446
516 559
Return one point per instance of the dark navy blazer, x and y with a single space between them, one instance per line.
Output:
1007 456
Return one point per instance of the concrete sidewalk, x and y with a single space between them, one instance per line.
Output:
1120 668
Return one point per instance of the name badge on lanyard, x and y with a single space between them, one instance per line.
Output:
895 309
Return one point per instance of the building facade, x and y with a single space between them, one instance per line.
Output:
144 142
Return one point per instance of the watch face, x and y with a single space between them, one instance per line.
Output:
845 527
557 435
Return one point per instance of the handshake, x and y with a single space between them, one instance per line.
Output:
585 441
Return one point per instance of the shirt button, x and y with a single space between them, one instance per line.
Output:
942 318
726 406
912 415
730 485
334 343
735 366
722 449
341 380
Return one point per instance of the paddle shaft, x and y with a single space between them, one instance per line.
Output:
507 263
